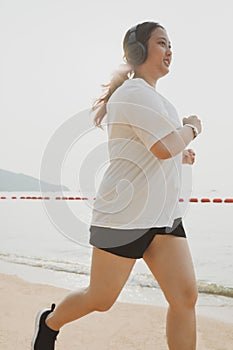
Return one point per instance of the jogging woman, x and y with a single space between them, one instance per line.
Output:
136 213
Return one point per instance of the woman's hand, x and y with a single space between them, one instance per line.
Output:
188 156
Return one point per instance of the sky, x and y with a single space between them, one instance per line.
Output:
55 54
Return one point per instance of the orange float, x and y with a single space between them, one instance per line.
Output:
193 200
205 200
217 200
228 200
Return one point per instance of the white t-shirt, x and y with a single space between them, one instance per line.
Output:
138 190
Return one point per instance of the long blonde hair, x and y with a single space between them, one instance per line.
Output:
124 72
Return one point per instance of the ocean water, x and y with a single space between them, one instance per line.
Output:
40 242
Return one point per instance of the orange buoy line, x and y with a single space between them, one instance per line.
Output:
192 200
44 198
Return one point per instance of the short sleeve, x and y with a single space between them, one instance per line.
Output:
148 118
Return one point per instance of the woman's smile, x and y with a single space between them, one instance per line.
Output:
167 62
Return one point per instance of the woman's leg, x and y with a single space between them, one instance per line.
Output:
109 274
168 257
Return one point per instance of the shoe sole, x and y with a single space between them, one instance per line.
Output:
37 326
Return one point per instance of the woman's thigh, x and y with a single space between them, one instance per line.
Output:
109 273
169 259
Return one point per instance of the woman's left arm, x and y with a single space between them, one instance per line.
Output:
188 156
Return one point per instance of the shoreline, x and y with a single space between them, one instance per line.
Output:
125 326
216 307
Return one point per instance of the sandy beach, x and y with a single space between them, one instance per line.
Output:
124 326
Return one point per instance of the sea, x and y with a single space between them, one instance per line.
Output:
44 239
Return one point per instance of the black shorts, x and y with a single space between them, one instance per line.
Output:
135 249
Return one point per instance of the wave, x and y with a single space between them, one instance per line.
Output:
51 264
143 280
214 289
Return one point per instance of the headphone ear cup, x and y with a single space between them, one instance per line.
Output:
136 53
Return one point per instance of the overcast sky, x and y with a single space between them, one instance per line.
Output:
56 53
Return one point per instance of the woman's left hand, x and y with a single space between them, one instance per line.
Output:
188 156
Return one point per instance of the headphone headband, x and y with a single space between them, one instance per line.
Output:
132 35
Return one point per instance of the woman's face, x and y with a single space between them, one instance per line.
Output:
159 53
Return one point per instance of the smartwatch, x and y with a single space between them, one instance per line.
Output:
194 128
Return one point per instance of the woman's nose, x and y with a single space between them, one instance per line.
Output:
169 51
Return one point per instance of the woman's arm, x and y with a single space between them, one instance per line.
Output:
172 144
176 141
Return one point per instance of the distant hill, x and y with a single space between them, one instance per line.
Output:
10 181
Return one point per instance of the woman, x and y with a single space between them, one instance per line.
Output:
136 212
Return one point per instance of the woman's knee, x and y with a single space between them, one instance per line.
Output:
186 297
100 301
102 304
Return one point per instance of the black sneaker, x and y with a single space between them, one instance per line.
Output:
44 337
